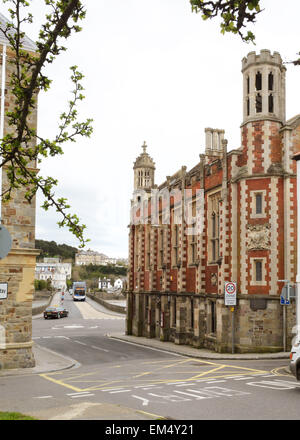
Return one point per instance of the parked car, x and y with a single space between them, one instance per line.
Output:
55 312
295 360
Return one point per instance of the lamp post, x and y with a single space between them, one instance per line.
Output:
296 157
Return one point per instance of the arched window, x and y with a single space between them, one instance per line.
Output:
258 103
271 103
258 81
248 106
270 81
248 85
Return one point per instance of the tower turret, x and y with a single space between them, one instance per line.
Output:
264 87
144 170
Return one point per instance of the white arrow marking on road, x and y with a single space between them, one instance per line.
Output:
145 401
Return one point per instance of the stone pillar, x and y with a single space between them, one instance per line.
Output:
165 318
151 317
181 321
128 322
138 320
18 268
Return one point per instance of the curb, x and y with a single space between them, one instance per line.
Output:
63 363
194 352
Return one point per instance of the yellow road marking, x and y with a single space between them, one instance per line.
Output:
208 372
59 382
152 415
102 384
175 364
142 374
276 372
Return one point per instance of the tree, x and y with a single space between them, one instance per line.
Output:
235 15
23 146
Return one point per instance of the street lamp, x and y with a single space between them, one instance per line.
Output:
296 157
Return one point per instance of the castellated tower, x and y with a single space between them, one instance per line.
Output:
265 179
264 87
263 110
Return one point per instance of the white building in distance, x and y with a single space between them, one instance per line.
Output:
83 258
57 272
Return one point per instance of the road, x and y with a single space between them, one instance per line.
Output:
118 376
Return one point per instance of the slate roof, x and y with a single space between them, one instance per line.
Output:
28 44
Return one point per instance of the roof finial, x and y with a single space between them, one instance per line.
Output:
144 147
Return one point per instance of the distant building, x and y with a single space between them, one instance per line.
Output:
57 272
118 284
104 283
83 258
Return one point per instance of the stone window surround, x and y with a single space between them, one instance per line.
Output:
176 214
253 193
213 199
253 281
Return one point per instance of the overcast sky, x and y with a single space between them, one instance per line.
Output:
155 72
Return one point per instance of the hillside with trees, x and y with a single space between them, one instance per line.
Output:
52 249
91 273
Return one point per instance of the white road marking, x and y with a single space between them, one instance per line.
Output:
99 348
191 395
145 401
43 397
273 385
217 381
79 342
119 391
77 392
80 394
148 386
244 378
111 389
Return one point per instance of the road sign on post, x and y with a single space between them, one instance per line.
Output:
5 242
230 293
287 292
3 290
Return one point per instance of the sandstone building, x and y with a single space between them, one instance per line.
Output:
176 280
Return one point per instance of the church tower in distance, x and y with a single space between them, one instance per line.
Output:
144 170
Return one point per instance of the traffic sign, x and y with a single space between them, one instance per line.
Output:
230 293
3 290
5 241
284 301
287 292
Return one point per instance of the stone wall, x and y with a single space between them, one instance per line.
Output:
187 319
